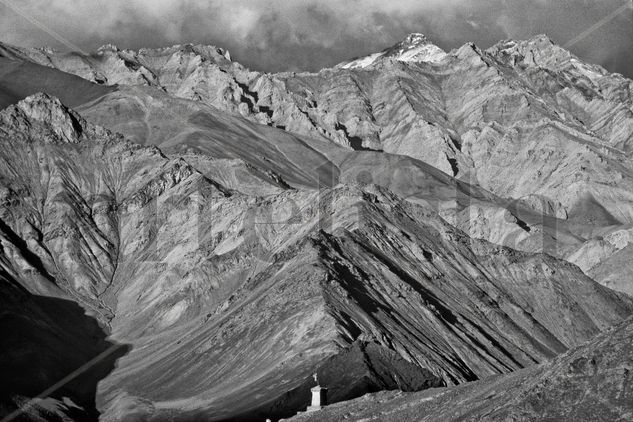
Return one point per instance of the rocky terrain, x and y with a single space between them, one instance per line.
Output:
527 121
413 219
590 383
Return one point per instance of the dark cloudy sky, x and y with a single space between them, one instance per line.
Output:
277 35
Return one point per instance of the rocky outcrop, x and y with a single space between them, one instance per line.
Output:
65 124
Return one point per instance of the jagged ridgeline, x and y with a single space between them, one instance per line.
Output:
199 238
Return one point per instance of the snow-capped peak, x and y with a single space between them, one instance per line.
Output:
414 48
107 48
415 38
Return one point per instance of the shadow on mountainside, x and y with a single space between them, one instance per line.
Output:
363 367
19 79
52 350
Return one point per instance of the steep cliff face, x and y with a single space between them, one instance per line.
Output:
229 297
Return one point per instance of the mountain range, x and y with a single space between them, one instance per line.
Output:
182 238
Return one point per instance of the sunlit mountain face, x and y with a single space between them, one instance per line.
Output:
433 234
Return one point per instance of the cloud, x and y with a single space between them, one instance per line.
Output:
275 35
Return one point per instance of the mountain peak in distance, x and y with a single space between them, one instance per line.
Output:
415 47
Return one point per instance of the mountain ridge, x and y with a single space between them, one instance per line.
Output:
458 134
555 390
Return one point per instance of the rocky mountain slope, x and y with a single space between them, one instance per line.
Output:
183 269
591 383
358 232
527 121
